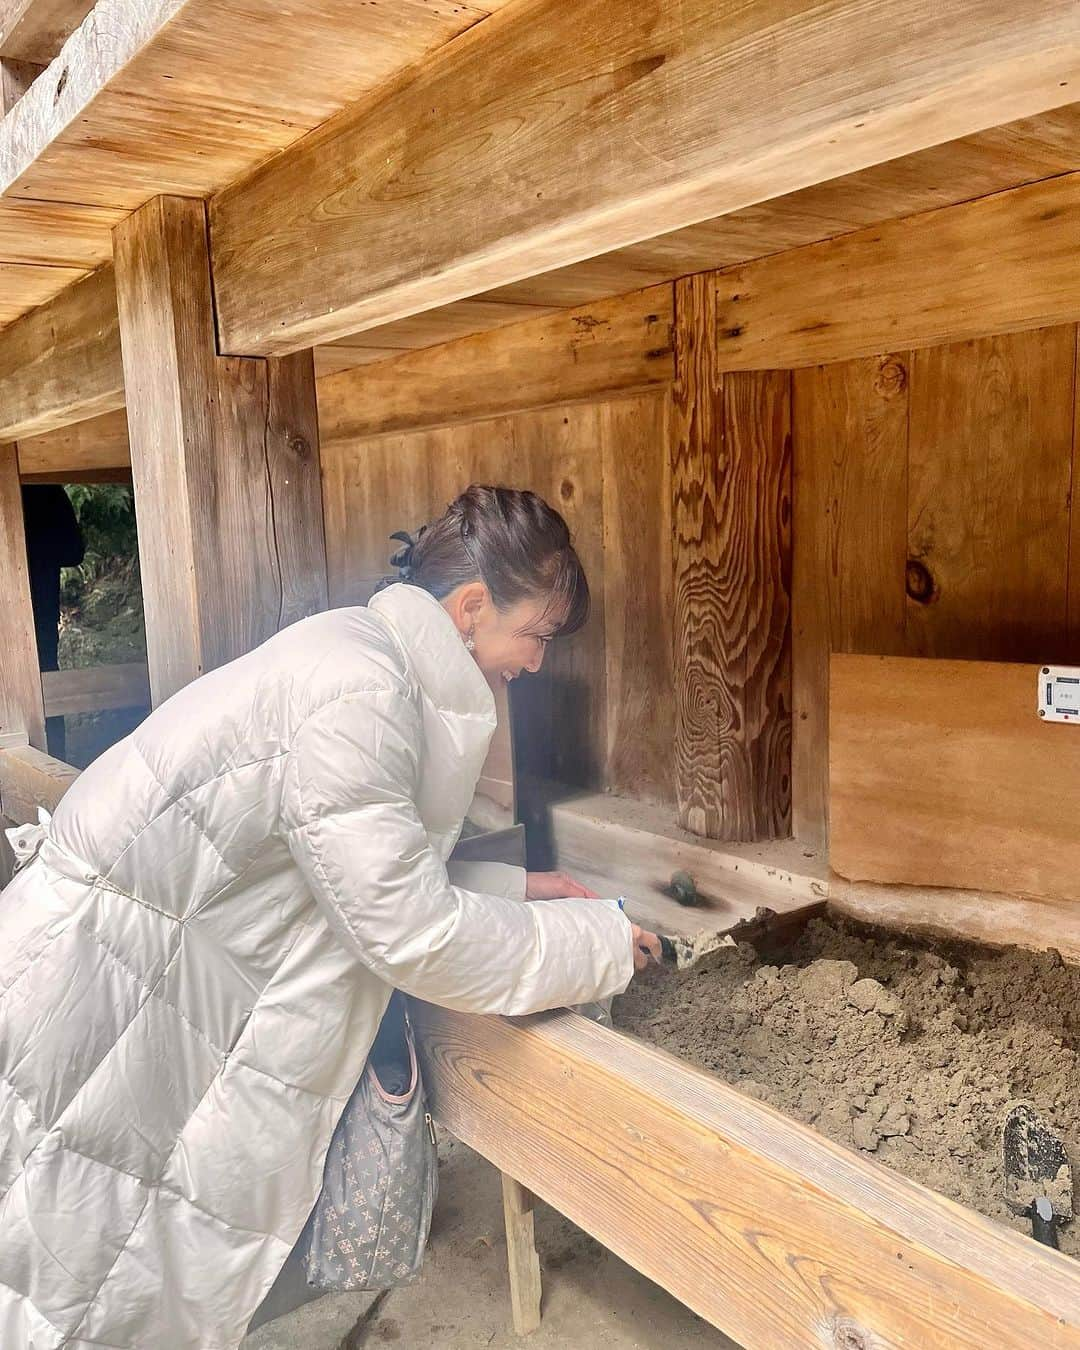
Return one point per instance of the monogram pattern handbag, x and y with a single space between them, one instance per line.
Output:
370 1225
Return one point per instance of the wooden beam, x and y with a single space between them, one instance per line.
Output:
995 265
224 458
577 130
731 486
95 689
623 343
29 778
183 96
35 30
21 708
95 446
61 362
766 1229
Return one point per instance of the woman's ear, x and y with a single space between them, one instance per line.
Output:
464 605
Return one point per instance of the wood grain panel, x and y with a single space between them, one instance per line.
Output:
698 509
767 1230
731 484
850 471
989 478
560 714
21 707
942 774
635 435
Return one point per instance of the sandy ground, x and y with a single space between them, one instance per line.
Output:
592 1301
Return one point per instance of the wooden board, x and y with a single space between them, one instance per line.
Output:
989 483
635 437
224 456
623 847
62 363
96 445
29 778
770 1232
654 111
996 265
731 485
95 689
975 916
623 343
850 424
942 774
21 708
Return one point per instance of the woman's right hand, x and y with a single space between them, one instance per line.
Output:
646 947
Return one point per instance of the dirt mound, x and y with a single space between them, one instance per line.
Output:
907 1052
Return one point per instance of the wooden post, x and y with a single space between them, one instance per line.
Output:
525 1282
731 513
224 457
21 704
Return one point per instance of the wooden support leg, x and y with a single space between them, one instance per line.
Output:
731 485
224 459
21 705
525 1284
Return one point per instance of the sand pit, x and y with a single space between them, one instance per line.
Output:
907 1052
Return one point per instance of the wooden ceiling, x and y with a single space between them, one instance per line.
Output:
162 96
171 97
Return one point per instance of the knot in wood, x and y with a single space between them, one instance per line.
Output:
919 582
848 1335
300 448
891 378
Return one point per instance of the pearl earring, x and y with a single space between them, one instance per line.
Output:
470 642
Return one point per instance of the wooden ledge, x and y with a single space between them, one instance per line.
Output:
766 1229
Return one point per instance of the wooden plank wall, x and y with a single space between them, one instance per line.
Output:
933 517
600 712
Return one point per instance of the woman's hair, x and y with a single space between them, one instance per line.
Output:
511 540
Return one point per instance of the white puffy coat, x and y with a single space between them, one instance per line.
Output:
193 969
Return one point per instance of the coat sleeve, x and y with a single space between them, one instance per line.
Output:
355 832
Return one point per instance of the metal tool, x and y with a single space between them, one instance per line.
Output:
1038 1175
684 952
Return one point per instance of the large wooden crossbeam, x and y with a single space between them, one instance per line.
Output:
554 132
61 362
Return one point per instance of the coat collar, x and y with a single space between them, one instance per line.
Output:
446 672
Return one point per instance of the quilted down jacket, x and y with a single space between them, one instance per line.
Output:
193 969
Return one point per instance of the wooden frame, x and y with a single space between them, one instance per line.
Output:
95 689
770 1232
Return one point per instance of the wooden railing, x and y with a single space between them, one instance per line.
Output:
95 689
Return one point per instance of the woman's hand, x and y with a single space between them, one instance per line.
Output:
646 947
555 886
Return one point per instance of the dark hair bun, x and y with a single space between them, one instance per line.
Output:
510 539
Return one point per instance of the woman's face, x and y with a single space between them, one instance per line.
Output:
508 641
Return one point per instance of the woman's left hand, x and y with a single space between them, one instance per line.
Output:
555 886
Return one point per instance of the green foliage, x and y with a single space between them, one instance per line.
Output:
102 620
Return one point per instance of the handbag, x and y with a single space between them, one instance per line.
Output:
370 1224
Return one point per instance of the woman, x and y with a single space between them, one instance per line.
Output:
194 967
